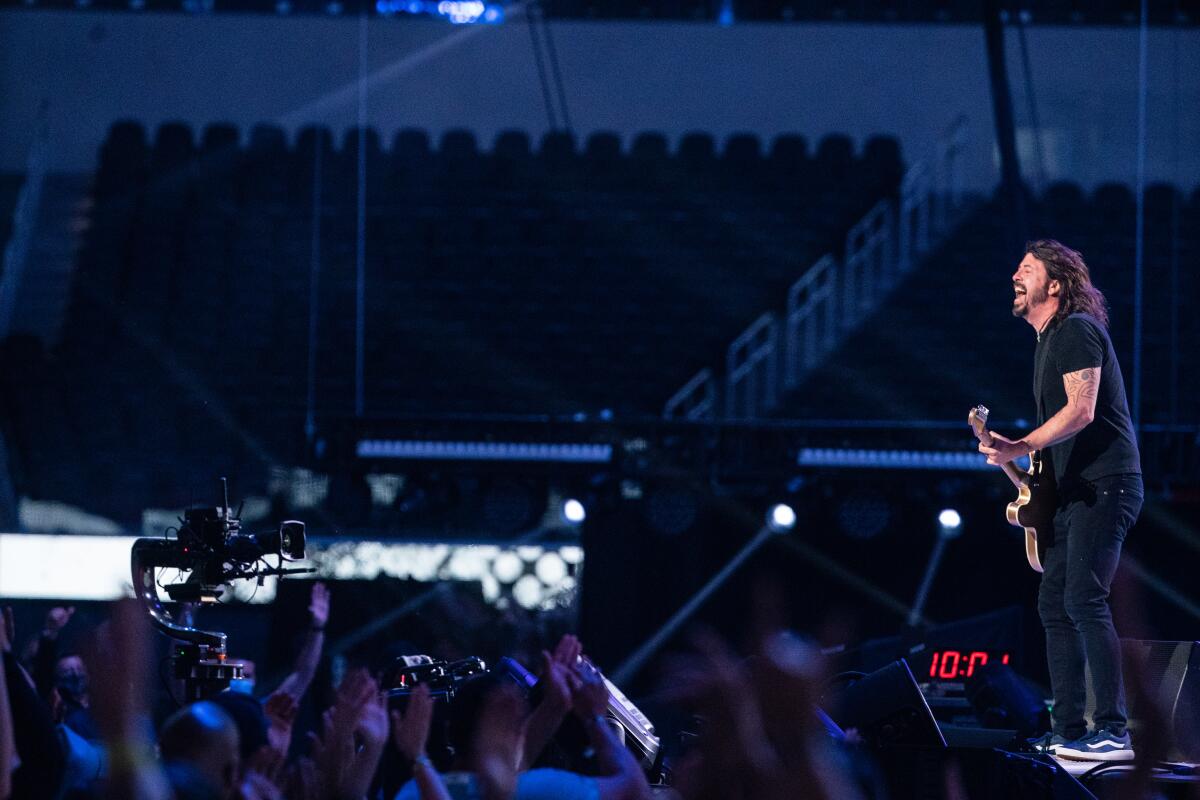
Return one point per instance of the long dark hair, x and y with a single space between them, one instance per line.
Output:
1068 268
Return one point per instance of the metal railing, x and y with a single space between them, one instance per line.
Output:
831 299
949 178
870 268
913 216
752 369
811 322
25 216
696 399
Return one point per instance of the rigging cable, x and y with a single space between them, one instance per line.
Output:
530 18
360 250
1031 99
1139 236
552 54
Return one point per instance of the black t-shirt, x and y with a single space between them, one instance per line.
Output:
1107 446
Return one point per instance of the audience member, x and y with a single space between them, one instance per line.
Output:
204 738
39 759
60 675
487 724
760 736
8 748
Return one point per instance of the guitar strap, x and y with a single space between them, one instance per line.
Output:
1041 357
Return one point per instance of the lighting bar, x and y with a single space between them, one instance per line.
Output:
425 450
77 568
953 460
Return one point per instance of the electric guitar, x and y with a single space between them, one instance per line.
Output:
1033 510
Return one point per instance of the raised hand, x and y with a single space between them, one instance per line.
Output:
120 673
56 619
410 732
9 633
358 710
498 743
410 728
330 760
263 776
318 605
280 710
568 650
372 728
589 696
558 679
303 781
734 752
120 670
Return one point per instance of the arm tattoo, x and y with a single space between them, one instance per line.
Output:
1082 386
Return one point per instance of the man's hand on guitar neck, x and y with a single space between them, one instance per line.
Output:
1081 388
1003 450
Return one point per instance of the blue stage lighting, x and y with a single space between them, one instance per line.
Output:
725 15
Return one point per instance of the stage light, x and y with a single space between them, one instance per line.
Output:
781 517
573 511
550 569
528 592
543 452
950 521
508 567
461 12
725 16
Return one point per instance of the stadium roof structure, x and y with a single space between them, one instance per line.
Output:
1121 13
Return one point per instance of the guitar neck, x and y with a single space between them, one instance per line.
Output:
1014 474
1010 469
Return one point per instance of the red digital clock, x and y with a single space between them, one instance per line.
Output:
949 665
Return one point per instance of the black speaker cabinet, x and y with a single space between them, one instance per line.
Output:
1170 675
887 709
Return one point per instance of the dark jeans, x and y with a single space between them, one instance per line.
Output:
1089 527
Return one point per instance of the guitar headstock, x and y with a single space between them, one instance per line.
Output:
977 419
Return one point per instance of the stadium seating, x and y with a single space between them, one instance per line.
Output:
551 279
570 277
946 339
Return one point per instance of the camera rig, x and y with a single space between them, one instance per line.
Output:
210 545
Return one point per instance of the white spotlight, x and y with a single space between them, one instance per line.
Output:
781 517
573 511
507 567
550 569
950 520
528 592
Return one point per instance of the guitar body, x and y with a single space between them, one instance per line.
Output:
1033 510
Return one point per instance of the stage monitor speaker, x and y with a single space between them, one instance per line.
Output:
1170 672
887 709
1003 699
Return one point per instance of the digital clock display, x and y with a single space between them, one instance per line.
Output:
950 665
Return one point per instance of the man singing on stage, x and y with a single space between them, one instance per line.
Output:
1086 438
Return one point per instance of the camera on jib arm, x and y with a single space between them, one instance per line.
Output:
210 545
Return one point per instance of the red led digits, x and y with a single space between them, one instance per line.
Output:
951 664
950 661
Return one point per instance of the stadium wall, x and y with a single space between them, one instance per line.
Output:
910 81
